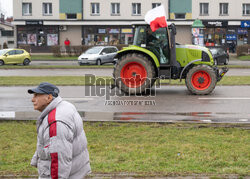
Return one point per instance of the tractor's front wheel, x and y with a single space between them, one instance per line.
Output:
134 73
201 80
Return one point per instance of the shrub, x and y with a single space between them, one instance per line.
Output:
5 46
242 49
25 47
76 50
56 50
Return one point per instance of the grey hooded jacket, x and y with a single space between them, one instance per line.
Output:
61 143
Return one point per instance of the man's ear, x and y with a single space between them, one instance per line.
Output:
50 98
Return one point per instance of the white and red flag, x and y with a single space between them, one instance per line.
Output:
156 18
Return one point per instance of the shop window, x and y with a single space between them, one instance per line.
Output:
71 16
27 9
95 8
31 39
47 8
115 8
246 9
203 9
22 38
52 39
223 8
154 5
136 8
180 16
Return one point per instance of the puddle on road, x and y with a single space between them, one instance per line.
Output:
206 117
197 117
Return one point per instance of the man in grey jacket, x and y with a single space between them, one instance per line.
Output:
61 141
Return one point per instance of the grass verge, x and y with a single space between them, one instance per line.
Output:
245 58
83 80
56 67
144 149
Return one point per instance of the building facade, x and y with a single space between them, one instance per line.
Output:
180 13
225 21
6 35
44 23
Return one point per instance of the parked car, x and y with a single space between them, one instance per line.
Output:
220 56
14 56
98 55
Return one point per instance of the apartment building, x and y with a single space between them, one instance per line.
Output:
44 23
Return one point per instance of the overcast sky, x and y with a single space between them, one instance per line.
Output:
6 6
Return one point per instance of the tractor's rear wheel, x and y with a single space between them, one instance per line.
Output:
201 80
134 73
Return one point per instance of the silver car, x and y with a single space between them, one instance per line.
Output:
98 55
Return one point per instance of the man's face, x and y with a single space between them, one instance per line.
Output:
41 101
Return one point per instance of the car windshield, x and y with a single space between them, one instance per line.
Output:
2 52
94 50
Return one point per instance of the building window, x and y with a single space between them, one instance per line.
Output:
7 33
95 8
180 16
155 5
223 8
246 9
203 9
136 8
115 8
27 9
71 16
47 8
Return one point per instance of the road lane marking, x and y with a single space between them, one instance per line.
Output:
79 99
7 114
225 98
207 120
243 120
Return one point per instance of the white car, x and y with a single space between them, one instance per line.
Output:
98 55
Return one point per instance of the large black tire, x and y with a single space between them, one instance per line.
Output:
134 73
26 61
201 80
1 62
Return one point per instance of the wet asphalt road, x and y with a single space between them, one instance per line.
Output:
227 104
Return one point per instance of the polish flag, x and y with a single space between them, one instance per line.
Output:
156 18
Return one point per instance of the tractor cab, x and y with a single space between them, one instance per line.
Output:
156 42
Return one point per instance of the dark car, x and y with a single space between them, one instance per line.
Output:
220 56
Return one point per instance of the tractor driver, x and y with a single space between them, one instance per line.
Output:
156 46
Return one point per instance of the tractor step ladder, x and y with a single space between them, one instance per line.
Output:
165 74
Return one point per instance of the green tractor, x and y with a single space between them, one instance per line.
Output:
155 55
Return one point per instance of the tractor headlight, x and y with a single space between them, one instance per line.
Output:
205 57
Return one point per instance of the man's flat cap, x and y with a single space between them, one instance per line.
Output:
45 88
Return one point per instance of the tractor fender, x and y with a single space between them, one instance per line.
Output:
190 63
136 49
